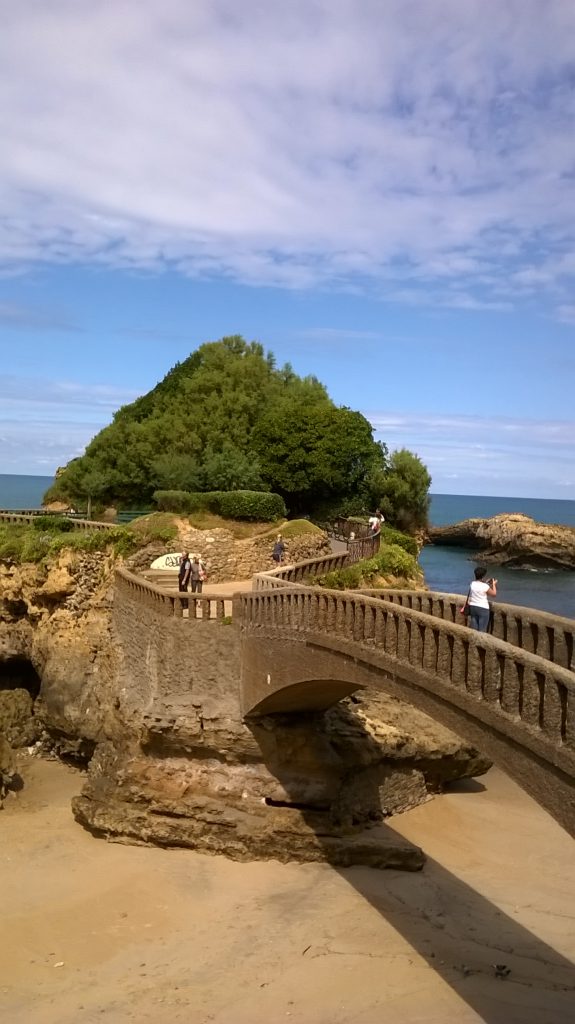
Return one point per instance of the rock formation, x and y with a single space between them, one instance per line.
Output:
514 540
172 761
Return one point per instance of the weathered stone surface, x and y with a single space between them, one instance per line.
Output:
514 540
318 782
17 722
228 559
7 768
158 698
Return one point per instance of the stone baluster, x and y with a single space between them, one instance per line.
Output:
358 620
391 641
349 618
512 686
569 727
554 696
369 622
403 637
430 648
474 673
492 676
380 618
532 704
340 616
446 643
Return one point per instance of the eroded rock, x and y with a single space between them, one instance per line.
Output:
512 539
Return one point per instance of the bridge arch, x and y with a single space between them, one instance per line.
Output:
304 648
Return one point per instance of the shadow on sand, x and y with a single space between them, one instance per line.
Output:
504 972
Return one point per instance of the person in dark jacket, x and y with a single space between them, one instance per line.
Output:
279 550
184 572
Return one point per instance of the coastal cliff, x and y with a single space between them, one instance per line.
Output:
514 539
171 760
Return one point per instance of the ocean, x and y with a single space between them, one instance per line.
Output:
448 569
21 492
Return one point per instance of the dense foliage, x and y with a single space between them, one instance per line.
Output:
226 419
262 506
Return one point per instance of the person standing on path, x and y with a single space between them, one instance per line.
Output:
279 550
196 575
375 522
184 572
477 603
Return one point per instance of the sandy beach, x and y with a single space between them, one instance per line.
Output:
93 931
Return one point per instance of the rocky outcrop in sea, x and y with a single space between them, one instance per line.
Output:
514 540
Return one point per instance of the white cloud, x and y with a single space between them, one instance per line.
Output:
303 144
44 423
25 391
490 455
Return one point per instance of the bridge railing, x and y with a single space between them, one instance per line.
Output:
173 605
289 574
522 687
549 636
22 518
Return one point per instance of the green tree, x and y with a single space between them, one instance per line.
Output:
313 453
404 491
176 471
231 470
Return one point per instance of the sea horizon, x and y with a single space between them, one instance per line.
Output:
445 568
26 490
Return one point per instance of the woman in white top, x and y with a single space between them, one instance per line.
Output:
477 601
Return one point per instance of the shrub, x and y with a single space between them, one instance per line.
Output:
11 543
402 540
52 524
349 578
262 506
391 560
173 501
35 546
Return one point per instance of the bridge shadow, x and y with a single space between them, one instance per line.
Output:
503 971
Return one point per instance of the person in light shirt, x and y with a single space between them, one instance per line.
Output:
375 522
478 605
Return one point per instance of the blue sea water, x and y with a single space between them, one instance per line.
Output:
21 492
450 569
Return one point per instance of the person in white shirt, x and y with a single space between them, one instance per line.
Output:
478 605
375 522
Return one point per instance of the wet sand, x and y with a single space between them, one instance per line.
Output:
92 931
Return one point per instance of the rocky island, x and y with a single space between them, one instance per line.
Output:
514 540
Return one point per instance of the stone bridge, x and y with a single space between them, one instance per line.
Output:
511 693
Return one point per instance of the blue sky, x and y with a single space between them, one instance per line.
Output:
380 192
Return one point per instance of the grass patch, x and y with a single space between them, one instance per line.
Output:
158 526
20 544
240 530
298 528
